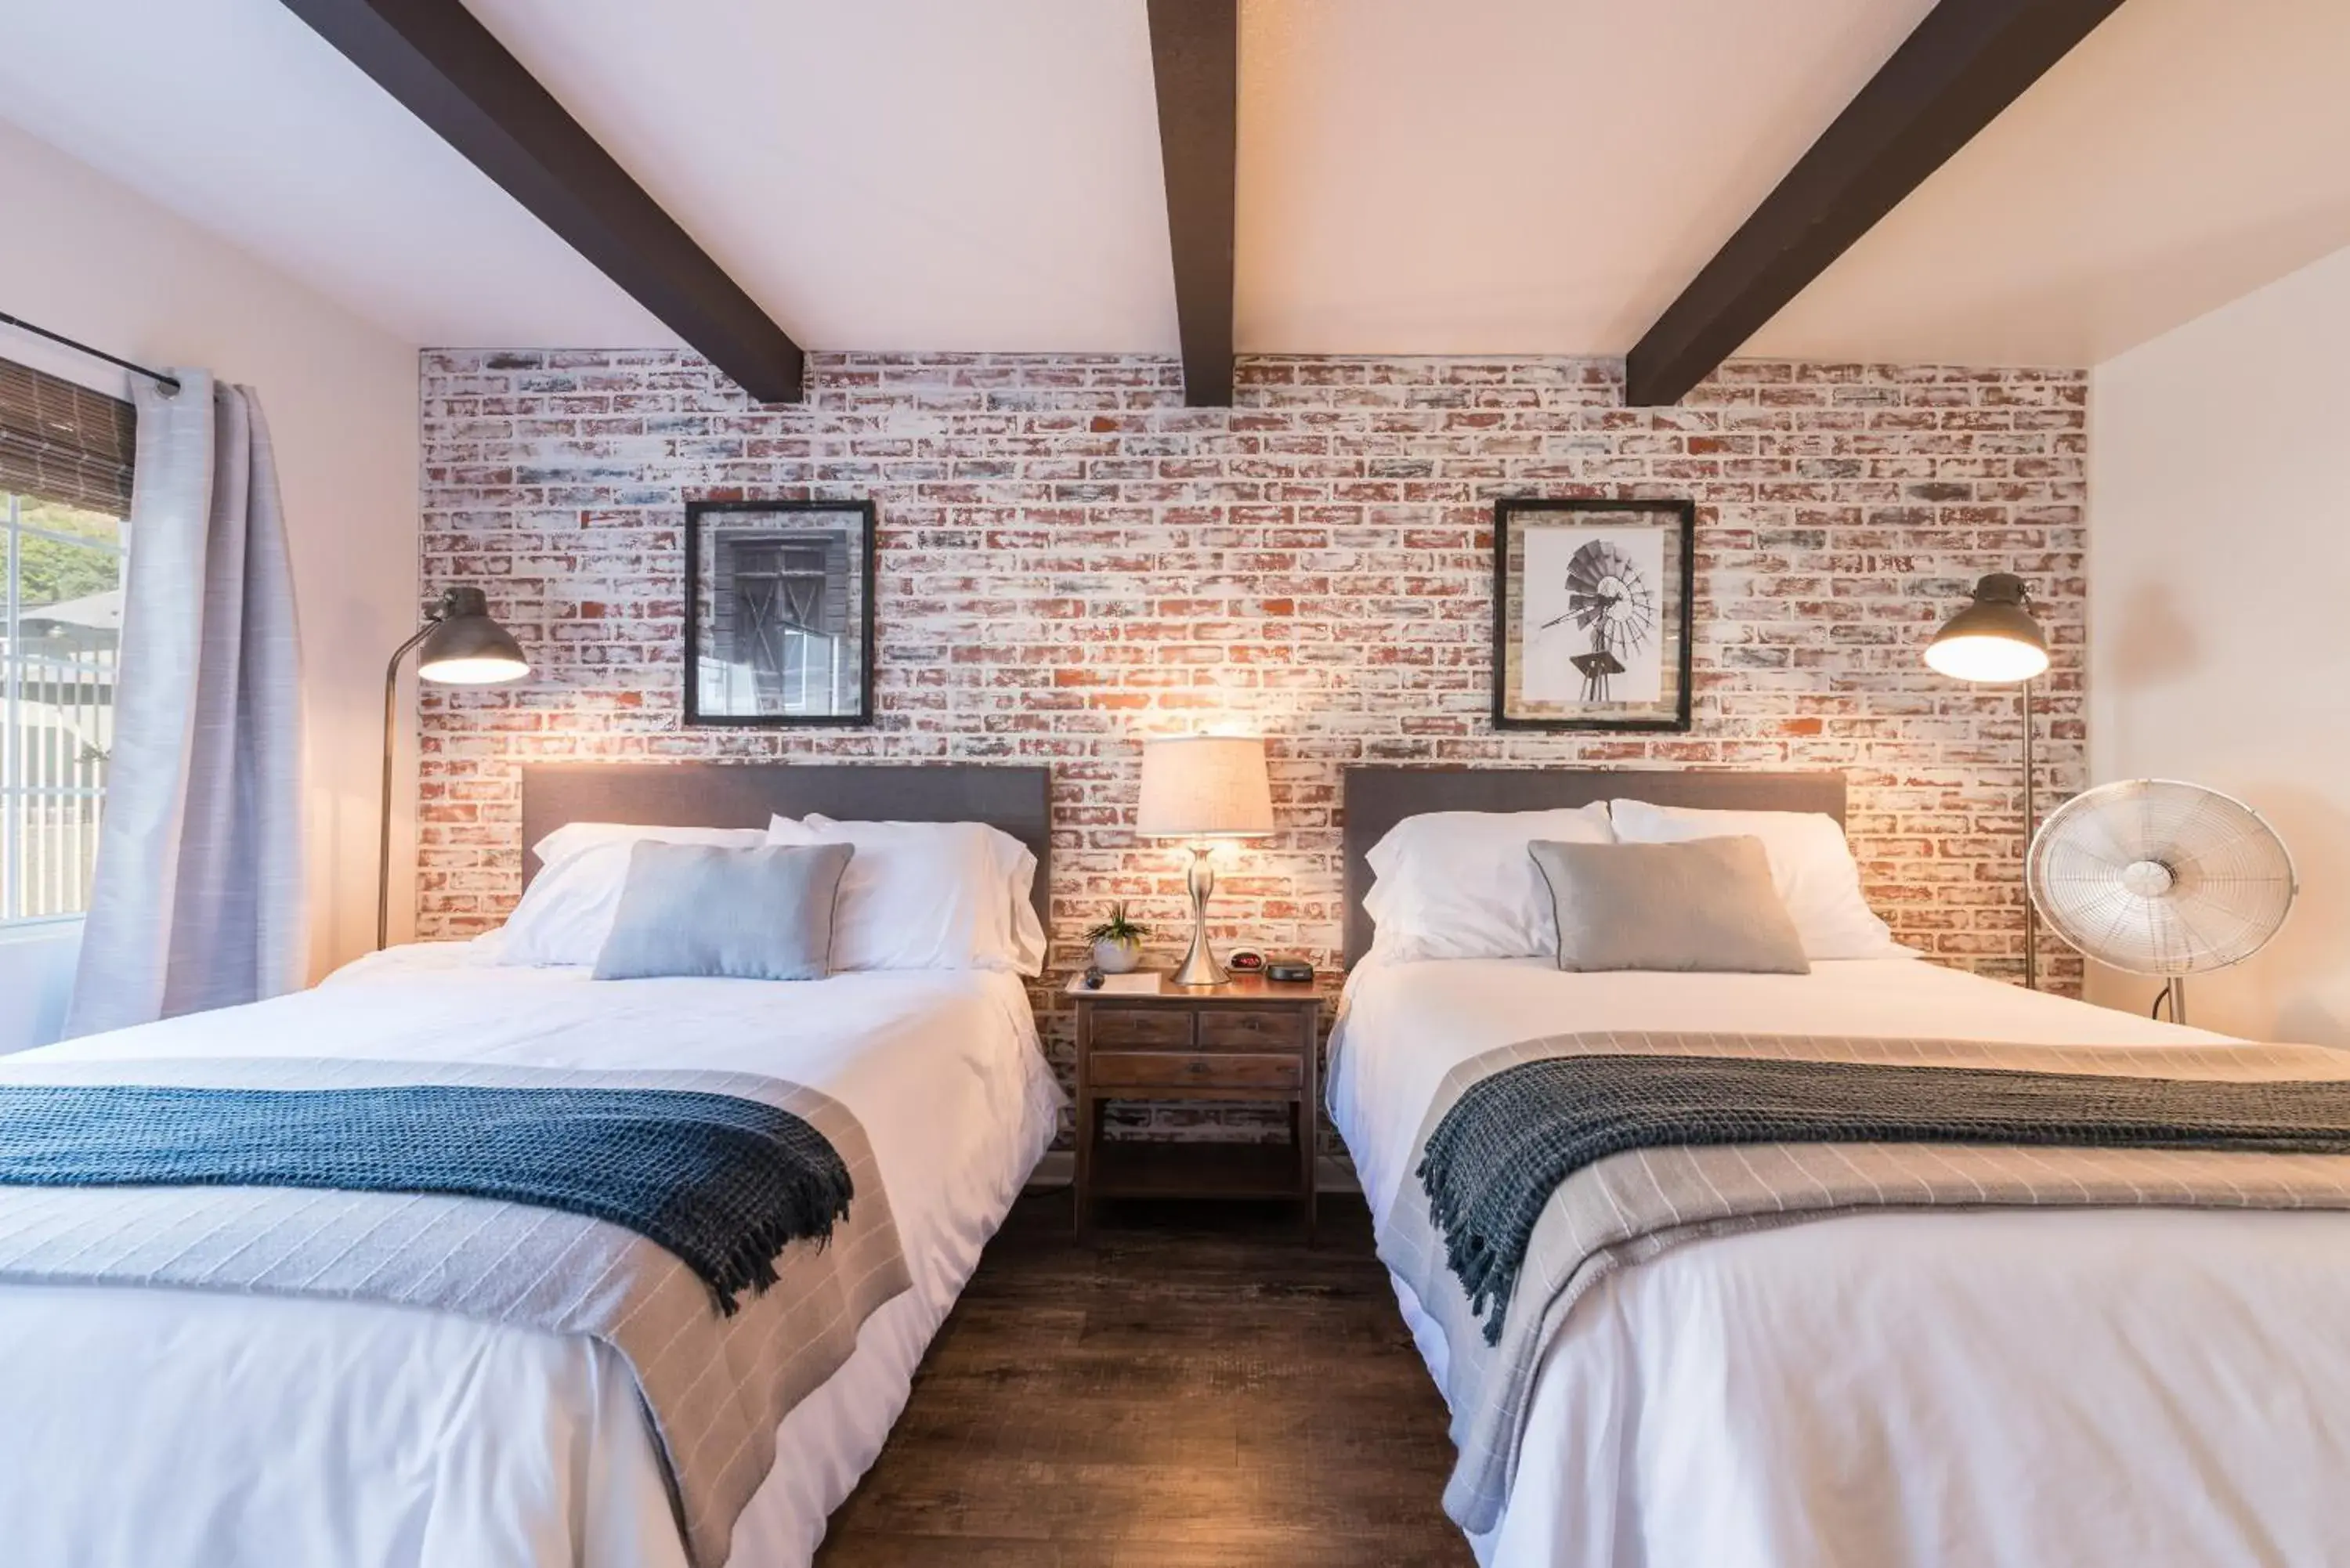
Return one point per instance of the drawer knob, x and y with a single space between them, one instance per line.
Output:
1195 1066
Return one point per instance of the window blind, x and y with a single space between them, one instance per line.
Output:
60 441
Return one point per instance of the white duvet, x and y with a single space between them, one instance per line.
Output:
1957 1389
148 1428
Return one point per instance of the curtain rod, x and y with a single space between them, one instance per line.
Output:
169 383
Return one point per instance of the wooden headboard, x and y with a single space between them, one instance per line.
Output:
1376 799
1017 800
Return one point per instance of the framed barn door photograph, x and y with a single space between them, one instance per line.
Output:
1593 601
779 612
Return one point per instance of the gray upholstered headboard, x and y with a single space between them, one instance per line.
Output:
745 794
1376 799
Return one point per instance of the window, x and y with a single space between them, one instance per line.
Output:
64 488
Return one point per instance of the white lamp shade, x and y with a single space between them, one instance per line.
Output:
1204 786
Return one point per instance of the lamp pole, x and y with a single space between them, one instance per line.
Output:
2031 824
390 733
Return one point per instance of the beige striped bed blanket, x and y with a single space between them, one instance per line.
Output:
714 1387
1630 1207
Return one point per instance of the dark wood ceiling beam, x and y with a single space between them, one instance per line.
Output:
449 71
1966 61
1195 62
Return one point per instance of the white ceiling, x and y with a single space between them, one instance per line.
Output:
1507 176
907 174
2187 153
235 116
1517 176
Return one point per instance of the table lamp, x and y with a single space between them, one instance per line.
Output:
1202 788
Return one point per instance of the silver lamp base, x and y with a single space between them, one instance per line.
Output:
1200 966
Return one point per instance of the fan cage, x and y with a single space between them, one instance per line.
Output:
2233 878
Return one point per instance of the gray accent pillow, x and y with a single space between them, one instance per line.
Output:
1706 904
735 914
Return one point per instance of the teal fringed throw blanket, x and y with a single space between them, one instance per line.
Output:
481 1189
1495 1157
1630 1144
721 1182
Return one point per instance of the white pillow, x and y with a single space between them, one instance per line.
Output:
1461 885
1810 866
567 910
929 895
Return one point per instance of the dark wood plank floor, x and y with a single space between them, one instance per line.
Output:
1198 1390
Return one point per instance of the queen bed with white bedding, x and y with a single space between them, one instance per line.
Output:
151 1424
1888 1386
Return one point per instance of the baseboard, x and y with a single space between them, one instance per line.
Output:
1332 1173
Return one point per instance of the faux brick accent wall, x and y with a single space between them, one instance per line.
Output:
1071 560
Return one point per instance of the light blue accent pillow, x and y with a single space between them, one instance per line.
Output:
735 914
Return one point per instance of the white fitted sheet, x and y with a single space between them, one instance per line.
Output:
146 1429
1961 1389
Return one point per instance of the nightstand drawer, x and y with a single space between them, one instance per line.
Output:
1175 1070
1223 1029
1141 1026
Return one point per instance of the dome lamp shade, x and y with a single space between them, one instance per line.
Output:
1995 638
466 648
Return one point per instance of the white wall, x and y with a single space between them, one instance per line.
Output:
2219 611
86 257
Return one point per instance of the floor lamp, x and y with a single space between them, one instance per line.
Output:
463 647
1995 638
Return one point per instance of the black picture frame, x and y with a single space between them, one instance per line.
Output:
1515 521
704 633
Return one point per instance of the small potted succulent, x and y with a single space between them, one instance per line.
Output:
1118 941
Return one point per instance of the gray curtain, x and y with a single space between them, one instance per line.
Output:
196 901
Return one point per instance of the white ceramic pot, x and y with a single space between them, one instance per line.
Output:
1117 958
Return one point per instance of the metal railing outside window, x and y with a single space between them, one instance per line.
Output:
60 634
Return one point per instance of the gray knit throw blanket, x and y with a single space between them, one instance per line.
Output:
724 1183
1504 1147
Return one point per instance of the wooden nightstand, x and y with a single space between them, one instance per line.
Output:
1247 1040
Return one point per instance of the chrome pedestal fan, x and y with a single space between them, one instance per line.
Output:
2159 878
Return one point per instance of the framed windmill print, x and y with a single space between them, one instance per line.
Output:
1592 607
779 612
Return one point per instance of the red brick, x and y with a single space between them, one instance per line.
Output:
1071 560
